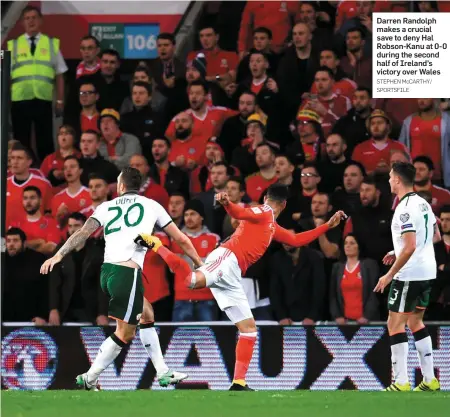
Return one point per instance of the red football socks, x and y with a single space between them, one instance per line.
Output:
244 353
175 263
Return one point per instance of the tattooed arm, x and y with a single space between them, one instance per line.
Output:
79 237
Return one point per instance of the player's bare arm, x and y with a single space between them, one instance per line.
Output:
406 253
79 237
336 218
184 242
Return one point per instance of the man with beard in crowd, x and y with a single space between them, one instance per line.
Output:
352 126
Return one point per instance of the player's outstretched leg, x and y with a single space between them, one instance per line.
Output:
150 341
424 352
109 350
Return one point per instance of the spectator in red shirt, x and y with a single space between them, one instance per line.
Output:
424 173
327 104
342 85
11 144
177 202
375 152
356 64
21 160
277 16
90 62
149 188
198 305
428 133
221 65
208 121
52 166
187 150
73 198
258 182
43 234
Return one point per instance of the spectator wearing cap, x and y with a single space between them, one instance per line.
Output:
327 104
168 75
221 65
117 146
352 127
142 121
375 152
234 128
172 178
196 70
149 187
93 162
342 85
397 109
277 16
428 133
262 42
347 198
140 74
214 213
357 64
194 305
90 62
332 168
371 223
296 69
309 147
258 182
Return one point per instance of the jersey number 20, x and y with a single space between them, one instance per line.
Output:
109 229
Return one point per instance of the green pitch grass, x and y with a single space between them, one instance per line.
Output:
184 403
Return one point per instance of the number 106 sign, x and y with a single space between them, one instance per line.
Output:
140 41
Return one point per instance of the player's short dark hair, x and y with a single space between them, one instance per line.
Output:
356 29
358 165
77 216
323 68
144 85
164 139
33 189
15 231
365 89
91 132
28 9
110 51
73 157
200 83
287 157
263 29
425 160
19 147
131 178
91 38
444 209
405 171
278 193
97 176
166 36
239 181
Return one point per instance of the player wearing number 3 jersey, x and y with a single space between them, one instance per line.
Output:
123 219
414 231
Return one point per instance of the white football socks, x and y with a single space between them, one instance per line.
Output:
425 353
150 341
399 350
109 350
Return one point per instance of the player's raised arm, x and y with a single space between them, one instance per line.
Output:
183 242
301 239
77 238
237 212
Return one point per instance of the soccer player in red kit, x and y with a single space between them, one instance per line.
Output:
225 266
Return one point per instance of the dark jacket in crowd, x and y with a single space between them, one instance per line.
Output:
298 291
369 276
25 291
348 202
441 285
214 212
232 133
68 290
332 175
176 180
98 165
244 160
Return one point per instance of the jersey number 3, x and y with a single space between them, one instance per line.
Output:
109 229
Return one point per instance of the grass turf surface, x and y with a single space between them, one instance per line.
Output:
185 403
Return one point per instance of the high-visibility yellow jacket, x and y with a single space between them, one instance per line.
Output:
33 76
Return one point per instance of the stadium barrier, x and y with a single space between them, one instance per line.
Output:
285 358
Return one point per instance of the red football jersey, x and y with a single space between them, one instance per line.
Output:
193 148
256 184
55 161
204 243
256 231
370 154
207 126
151 189
345 87
45 228
14 191
89 122
35 171
75 203
218 61
154 273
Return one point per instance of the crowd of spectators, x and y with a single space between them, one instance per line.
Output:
291 104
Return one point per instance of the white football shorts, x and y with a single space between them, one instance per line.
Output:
223 278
